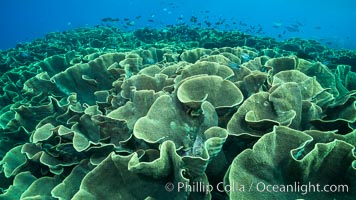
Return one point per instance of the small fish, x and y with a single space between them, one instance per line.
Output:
245 57
242 23
193 19
233 65
207 23
292 29
277 24
106 19
150 61
109 19
131 23
138 17
299 23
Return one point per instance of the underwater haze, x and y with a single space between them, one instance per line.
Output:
184 100
330 22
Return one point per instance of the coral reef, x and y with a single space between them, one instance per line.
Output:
97 113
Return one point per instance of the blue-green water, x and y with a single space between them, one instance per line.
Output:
330 22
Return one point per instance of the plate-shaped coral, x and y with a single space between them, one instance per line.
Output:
218 91
280 167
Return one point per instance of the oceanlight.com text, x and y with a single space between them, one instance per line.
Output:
301 188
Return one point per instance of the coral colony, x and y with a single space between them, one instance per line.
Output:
178 113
